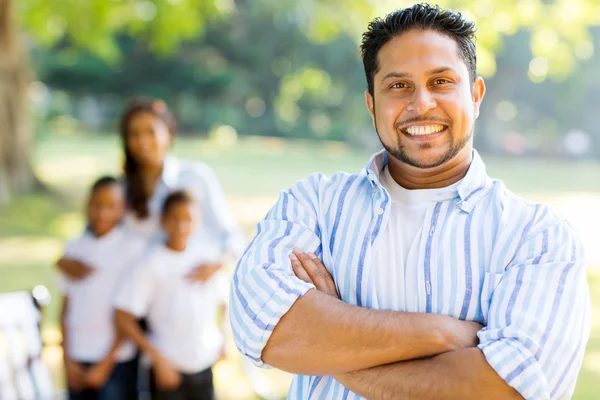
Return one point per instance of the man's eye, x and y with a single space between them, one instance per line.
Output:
441 81
398 86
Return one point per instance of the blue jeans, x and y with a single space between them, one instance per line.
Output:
122 384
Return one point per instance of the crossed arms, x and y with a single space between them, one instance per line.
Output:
444 364
278 318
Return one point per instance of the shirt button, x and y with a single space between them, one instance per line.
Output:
379 211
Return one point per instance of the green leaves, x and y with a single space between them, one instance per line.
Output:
560 29
94 24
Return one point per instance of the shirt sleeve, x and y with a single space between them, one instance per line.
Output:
62 282
221 284
264 286
217 215
539 319
135 293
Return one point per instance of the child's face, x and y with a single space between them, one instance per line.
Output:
180 221
105 208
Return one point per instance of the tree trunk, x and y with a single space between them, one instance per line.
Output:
16 172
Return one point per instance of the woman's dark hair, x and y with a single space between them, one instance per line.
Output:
137 198
103 182
424 17
175 198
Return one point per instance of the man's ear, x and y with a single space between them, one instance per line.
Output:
478 93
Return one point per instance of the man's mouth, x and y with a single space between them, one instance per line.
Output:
423 130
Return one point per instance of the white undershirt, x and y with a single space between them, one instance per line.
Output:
396 255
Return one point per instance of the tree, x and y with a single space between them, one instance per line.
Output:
559 36
90 24
16 173
560 28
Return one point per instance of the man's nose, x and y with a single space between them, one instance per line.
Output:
421 102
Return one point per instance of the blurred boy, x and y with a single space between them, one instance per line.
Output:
99 365
184 339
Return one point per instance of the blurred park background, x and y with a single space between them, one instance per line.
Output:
266 92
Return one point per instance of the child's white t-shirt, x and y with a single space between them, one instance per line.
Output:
181 314
90 314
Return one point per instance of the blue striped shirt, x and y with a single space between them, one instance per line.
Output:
485 255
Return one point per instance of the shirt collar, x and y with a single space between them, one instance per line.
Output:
170 172
470 189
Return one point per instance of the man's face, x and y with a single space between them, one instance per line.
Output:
422 106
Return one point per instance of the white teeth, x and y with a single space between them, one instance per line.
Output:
424 129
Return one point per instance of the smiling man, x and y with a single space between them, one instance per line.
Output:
419 276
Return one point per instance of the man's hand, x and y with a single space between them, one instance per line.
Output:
310 269
74 269
203 273
75 373
167 377
97 376
464 333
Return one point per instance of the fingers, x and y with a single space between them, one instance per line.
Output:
203 273
299 269
309 268
196 275
332 288
191 276
76 376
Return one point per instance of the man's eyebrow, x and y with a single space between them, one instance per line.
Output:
434 71
440 70
396 75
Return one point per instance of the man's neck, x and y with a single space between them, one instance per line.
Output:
449 173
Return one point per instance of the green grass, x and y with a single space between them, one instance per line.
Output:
33 228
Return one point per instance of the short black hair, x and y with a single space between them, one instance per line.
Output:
103 182
175 198
424 17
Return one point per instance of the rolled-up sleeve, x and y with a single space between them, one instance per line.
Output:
264 286
539 318
216 211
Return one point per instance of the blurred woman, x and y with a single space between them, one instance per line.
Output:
148 130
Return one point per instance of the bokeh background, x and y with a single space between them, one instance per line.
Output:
266 92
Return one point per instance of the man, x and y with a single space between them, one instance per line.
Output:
412 253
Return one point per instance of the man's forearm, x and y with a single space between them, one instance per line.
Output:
457 375
321 335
